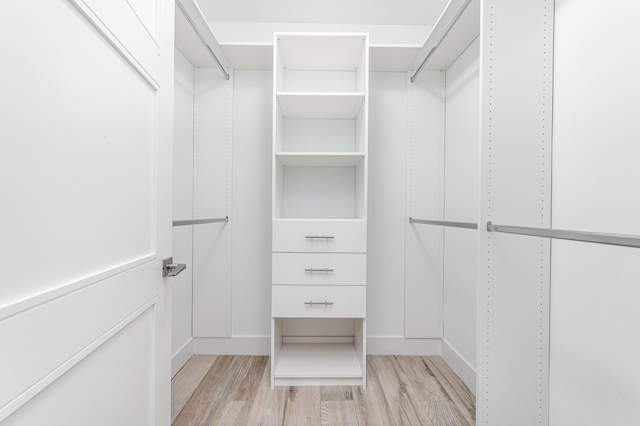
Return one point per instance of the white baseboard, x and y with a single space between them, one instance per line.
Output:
239 345
261 345
396 345
458 364
180 358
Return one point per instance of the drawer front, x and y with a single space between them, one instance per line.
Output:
319 268
309 301
320 236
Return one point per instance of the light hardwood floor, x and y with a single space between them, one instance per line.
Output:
401 390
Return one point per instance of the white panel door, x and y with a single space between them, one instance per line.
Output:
86 128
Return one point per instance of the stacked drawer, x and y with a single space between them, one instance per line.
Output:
319 269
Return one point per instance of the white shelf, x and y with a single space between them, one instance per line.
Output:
318 360
392 58
456 40
187 28
249 56
259 56
319 159
285 220
320 104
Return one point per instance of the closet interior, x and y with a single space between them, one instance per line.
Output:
359 172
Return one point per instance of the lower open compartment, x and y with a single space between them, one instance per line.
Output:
318 352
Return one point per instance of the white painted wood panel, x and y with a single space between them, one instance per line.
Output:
132 26
251 273
147 13
314 81
84 315
425 162
329 192
513 292
212 198
348 236
319 269
311 135
387 209
182 285
461 182
595 293
321 51
110 373
111 222
347 301
320 105
304 327
26 366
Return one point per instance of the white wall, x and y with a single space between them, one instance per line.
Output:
251 274
594 374
181 286
461 205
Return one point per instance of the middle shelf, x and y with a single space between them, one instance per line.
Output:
319 159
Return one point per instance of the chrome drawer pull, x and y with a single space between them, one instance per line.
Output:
314 237
318 270
325 303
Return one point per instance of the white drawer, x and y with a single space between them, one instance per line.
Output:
319 268
340 236
289 301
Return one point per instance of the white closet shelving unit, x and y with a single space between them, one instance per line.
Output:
320 104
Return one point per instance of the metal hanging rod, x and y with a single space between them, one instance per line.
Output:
200 221
561 234
468 225
437 45
201 37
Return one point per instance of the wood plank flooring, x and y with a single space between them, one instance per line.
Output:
401 390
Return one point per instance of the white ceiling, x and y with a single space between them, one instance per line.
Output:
379 12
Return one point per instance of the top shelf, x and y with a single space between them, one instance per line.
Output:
321 51
455 30
194 38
